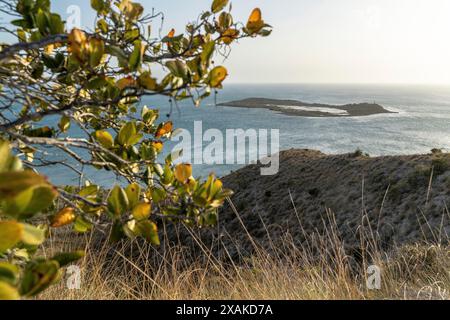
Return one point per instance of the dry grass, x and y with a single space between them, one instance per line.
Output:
318 269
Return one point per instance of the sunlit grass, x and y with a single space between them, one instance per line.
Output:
320 269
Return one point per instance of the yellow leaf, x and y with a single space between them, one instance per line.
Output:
105 138
78 44
8 292
133 10
255 22
146 81
64 217
77 36
183 172
229 35
49 49
10 234
125 82
142 211
217 75
158 145
218 5
164 129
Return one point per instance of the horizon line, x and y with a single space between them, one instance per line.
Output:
344 83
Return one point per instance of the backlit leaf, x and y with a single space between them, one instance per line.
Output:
13 183
183 172
64 217
164 129
117 202
125 83
10 234
217 75
133 192
229 35
105 138
8 292
8 162
31 201
218 5
148 230
64 124
255 22
32 235
96 51
142 211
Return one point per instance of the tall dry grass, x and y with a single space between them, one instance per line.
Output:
319 268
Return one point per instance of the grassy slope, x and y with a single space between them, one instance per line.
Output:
308 233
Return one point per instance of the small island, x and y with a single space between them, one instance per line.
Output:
304 109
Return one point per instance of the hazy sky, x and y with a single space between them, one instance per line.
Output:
328 41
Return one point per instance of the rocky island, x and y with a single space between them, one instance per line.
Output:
304 109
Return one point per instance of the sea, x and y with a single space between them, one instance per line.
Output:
420 123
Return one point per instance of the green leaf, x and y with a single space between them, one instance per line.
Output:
96 50
56 24
32 235
104 138
8 272
158 194
167 176
38 276
64 124
148 230
117 232
218 5
81 225
103 26
136 56
132 35
118 53
117 202
225 20
68 257
128 135
13 183
178 68
42 21
8 292
207 52
133 192
10 234
43 132
31 201
7 161
98 5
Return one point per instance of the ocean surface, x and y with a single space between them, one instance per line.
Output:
422 122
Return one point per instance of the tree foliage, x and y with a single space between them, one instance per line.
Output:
94 81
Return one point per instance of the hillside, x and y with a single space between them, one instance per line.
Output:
394 193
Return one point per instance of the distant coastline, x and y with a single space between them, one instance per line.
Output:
304 109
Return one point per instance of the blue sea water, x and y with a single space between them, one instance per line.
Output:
422 121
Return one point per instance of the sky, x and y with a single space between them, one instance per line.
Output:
326 41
